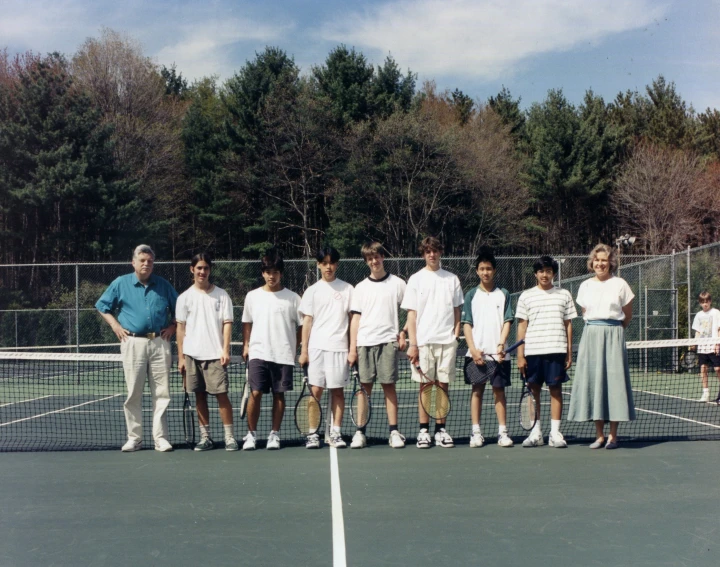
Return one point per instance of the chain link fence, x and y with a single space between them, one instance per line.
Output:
53 304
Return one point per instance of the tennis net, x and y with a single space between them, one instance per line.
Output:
68 401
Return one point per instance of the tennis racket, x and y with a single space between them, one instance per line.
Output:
433 398
481 373
689 359
308 412
245 396
188 421
361 407
528 410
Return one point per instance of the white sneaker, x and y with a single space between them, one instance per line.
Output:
358 441
249 442
231 444
504 440
396 441
132 445
533 440
705 396
273 442
443 439
163 445
557 440
476 439
313 441
423 439
336 440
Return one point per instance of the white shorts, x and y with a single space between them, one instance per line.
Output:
437 362
328 369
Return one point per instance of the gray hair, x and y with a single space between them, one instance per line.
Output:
143 249
612 257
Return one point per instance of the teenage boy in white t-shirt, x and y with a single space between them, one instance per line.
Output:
374 330
271 321
545 314
486 318
706 324
326 351
204 316
433 300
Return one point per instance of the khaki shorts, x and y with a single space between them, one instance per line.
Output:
205 376
378 363
437 362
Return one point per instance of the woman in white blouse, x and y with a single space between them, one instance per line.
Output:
601 389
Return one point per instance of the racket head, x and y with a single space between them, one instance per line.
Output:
527 410
435 401
482 373
689 359
308 412
188 421
245 396
360 408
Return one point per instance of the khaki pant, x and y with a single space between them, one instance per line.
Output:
146 359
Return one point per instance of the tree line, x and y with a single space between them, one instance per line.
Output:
104 149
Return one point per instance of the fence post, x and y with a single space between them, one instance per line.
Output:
77 308
689 295
16 330
674 317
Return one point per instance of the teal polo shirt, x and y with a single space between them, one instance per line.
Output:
139 308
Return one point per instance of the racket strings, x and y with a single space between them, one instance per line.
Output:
308 415
528 411
435 401
360 408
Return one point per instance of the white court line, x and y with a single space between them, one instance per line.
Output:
58 411
25 401
667 396
338 524
678 417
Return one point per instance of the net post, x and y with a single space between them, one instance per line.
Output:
689 294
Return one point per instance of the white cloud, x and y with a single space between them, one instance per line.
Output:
206 48
486 39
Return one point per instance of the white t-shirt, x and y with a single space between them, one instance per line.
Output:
546 312
604 300
706 323
433 295
275 317
203 315
377 303
329 306
487 314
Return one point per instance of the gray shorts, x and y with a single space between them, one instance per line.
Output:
205 376
378 363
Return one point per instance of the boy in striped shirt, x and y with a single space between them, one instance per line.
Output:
545 314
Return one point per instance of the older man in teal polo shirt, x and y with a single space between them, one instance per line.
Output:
140 309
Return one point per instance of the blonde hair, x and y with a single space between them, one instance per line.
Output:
371 248
609 250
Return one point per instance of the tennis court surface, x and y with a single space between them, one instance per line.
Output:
641 505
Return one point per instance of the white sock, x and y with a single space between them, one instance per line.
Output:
502 429
555 426
537 430
204 431
273 432
253 433
476 428
706 390
228 431
335 429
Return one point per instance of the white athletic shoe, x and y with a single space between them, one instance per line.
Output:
249 442
132 445
533 440
313 441
358 441
396 441
231 444
273 442
336 440
504 440
557 440
705 396
476 439
443 439
424 440
163 445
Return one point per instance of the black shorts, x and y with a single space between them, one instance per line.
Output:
709 359
547 369
264 376
474 374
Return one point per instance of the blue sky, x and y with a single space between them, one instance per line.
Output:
529 46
